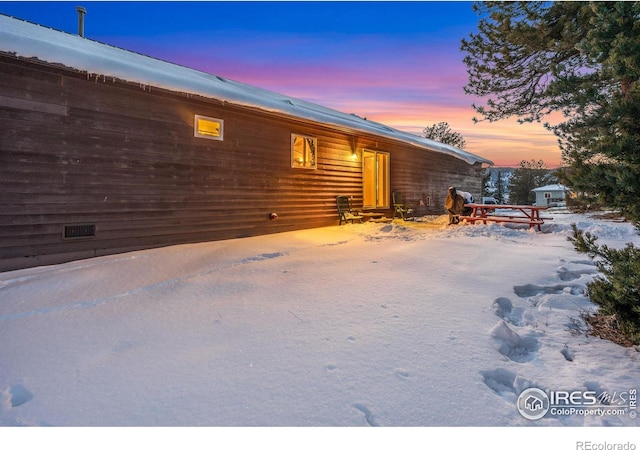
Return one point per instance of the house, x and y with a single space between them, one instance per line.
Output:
106 151
533 404
551 195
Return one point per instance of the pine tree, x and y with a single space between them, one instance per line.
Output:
500 194
442 132
618 292
486 181
581 59
528 176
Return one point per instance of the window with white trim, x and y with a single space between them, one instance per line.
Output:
303 151
208 128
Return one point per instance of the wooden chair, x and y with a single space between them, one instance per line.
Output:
402 210
345 212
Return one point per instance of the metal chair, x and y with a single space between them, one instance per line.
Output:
345 212
402 210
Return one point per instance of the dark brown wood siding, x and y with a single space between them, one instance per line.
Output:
77 149
423 176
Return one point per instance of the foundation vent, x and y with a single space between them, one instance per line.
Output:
79 231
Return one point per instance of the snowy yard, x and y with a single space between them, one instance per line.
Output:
393 325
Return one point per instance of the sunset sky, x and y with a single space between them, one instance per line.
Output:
398 63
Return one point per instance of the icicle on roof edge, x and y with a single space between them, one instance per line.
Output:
31 40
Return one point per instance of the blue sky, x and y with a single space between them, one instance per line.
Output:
394 62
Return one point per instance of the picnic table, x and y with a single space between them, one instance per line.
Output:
525 214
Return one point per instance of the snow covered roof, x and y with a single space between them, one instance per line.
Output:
551 188
29 40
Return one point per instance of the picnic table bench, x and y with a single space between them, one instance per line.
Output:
524 214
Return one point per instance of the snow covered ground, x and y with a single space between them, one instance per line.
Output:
381 325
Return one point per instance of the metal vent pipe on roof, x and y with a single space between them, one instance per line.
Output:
81 12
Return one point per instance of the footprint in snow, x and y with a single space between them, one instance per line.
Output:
16 395
568 354
505 383
569 275
531 290
262 257
512 345
368 415
516 316
501 381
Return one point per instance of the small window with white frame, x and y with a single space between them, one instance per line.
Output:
303 151
208 128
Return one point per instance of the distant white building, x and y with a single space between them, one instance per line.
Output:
551 195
